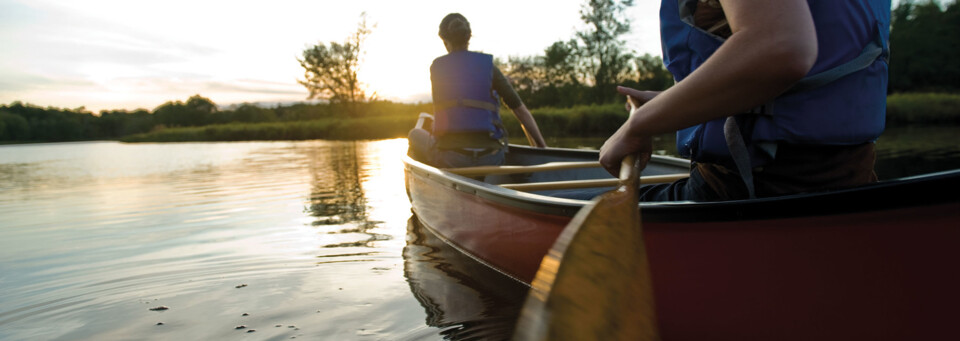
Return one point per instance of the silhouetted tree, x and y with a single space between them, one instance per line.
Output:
197 111
118 123
925 47
602 52
15 127
330 72
651 74
251 113
560 64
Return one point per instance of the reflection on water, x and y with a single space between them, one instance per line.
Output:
309 239
337 198
304 235
464 298
906 151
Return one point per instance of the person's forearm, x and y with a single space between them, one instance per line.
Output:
529 126
773 46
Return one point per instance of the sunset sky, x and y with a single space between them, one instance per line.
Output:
121 54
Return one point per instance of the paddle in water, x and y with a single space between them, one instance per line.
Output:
594 283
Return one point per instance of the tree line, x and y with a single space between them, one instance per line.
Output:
924 39
925 47
586 68
21 122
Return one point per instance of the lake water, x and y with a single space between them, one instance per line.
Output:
308 240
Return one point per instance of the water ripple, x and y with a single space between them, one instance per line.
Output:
95 234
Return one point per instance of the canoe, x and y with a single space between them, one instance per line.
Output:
873 262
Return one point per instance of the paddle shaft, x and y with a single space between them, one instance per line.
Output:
594 283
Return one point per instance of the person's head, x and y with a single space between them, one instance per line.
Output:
455 32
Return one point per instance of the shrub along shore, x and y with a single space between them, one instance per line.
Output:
578 121
375 121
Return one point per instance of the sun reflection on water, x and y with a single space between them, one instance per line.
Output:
95 233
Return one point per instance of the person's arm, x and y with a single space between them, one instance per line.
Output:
510 97
773 45
529 126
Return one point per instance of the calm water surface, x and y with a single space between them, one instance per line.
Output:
312 240
93 235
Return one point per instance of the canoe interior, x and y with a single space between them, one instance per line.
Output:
873 262
525 156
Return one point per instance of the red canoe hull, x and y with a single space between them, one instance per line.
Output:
887 274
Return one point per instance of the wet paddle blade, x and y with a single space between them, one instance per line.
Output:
594 284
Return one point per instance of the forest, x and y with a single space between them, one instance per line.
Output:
569 88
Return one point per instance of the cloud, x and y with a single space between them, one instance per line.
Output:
257 87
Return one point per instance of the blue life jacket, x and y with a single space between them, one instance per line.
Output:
463 97
841 102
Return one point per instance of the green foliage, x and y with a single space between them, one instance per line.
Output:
578 121
925 41
925 45
329 129
13 127
381 119
651 73
248 113
331 72
560 64
602 52
587 69
923 108
115 123
200 120
50 124
197 111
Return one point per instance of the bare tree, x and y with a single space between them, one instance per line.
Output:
330 72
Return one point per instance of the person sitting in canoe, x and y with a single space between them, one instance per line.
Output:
467 87
772 97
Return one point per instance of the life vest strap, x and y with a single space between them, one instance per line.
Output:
870 53
739 153
874 50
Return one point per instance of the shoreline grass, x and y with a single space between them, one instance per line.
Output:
327 129
923 108
581 121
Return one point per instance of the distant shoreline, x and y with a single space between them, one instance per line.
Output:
393 120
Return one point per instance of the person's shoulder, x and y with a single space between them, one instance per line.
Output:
483 54
436 61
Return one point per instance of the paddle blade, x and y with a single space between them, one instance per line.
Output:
594 284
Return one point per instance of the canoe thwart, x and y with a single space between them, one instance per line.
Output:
592 183
549 166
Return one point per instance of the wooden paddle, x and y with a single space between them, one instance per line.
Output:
594 283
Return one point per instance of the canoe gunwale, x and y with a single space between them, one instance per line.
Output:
522 200
922 190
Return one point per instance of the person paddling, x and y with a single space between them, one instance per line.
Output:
467 88
772 97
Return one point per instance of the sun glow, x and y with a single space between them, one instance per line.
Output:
115 54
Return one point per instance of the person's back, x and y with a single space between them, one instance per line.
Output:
466 87
466 109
